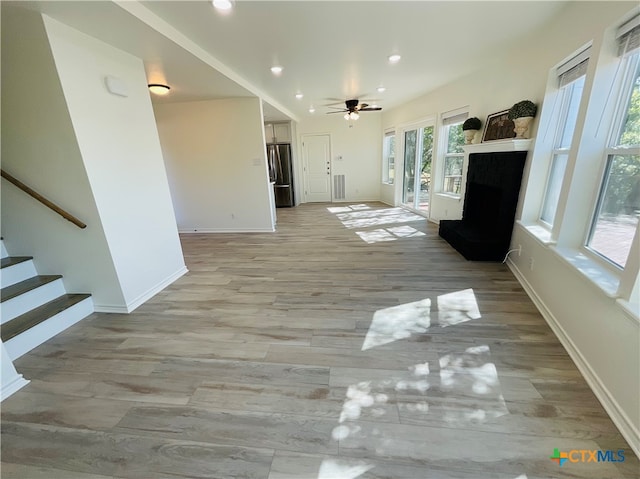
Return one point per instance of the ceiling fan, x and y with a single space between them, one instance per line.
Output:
353 109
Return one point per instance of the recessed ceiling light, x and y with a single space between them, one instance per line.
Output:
312 110
395 58
373 106
276 70
223 4
299 96
159 89
381 89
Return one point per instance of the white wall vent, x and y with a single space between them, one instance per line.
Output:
338 187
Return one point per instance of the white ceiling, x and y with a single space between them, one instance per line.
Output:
329 49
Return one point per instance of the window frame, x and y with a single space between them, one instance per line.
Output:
565 95
449 119
624 92
389 170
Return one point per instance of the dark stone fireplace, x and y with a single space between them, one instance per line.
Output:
491 198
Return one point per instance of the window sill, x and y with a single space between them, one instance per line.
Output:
591 270
542 234
451 196
599 276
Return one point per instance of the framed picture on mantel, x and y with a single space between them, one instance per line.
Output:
498 127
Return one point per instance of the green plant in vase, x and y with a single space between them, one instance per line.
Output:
522 113
470 127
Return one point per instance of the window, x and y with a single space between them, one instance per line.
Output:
571 76
389 157
454 154
615 219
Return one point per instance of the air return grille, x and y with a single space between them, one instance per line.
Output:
338 187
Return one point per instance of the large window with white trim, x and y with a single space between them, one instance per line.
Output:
615 219
571 76
453 152
389 157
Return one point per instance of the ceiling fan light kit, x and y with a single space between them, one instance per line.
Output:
353 108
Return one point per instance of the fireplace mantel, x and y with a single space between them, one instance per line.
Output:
499 145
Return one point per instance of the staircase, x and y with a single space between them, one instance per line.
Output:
34 308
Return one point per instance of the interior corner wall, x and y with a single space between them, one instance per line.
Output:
601 337
39 148
356 152
216 160
120 148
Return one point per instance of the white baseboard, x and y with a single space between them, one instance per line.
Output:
144 297
107 308
12 386
225 230
622 421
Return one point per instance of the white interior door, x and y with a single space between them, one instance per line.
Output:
316 152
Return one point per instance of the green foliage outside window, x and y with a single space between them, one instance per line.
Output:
623 188
456 139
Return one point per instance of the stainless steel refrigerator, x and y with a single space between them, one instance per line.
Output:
281 173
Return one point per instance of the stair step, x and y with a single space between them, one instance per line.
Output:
11 260
25 286
36 316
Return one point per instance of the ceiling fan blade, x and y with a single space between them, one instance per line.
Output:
362 106
336 108
377 108
341 111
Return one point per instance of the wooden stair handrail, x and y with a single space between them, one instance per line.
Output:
42 199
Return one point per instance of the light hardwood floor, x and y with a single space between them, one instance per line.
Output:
352 343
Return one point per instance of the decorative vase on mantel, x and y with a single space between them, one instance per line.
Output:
521 126
521 114
470 127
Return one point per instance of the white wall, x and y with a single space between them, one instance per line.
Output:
359 146
39 147
602 338
118 141
216 160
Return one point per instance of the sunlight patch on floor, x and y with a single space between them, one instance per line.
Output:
362 217
333 469
458 307
398 322
472 374
347 209
367 219
389 234
426 392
